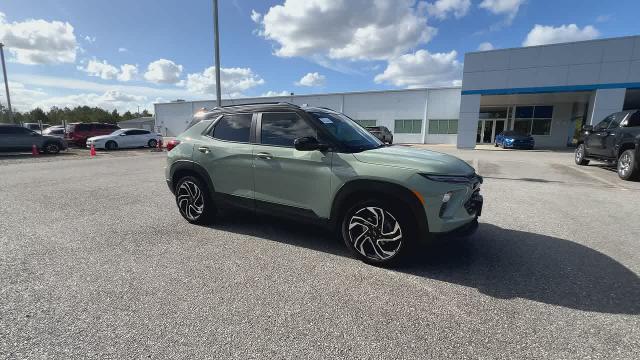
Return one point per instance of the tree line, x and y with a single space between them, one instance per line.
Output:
56 115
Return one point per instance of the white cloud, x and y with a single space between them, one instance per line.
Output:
441 8
233 81
255 16
39 41
109 100
122 49
485 46
354 29
101 69
127 72
163 71
22 98
503 7
272 93
90 39
422 69
541 34
604 18
311 79
106 71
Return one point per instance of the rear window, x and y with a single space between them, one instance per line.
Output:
233 128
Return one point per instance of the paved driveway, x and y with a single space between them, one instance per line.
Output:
95 261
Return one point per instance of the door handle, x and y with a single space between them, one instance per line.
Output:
264 155
203 149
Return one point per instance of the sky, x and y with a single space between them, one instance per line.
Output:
123 55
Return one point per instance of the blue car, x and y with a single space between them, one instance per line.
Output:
515 140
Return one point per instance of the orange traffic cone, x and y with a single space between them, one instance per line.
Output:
92 152
34 150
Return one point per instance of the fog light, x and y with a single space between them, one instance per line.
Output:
445 200
446 197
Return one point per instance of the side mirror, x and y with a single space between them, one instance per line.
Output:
587 127
308 143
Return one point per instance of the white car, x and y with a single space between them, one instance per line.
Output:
125 138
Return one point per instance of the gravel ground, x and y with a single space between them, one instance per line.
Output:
96 262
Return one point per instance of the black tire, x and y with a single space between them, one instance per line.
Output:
628 168
51 148
357 235
495 144
579 155
391 141
111 145
153 143
194 201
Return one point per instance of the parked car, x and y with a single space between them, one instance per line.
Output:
57 131
36 126
19 138
382 133
125 138
78 133
316 164
514 140
615 140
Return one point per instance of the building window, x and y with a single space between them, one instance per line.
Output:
533 120
366 123
443 126
408 126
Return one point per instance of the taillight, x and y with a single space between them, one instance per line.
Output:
172 143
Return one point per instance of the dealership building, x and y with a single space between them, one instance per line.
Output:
547 91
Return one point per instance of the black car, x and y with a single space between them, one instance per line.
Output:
616 139
382 133
19 138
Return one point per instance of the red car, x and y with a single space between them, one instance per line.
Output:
78 133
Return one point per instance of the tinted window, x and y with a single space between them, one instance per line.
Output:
604 123
282 129
634 120
82 127
15 130
346 131
137 132
233 128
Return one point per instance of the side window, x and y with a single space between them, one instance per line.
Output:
634 120
83 127
281 129
616 119
137 132
233 128
604 124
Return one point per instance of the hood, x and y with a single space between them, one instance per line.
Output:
419 159
101 137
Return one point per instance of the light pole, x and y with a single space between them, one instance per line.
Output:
6 82
217 50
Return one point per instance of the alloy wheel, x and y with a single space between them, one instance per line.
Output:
190 200
579 151
375 233
624 164
52 148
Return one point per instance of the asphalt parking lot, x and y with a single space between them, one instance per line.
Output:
95 261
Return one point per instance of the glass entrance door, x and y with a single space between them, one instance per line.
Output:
491 123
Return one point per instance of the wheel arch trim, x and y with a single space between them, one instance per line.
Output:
392 190
188 166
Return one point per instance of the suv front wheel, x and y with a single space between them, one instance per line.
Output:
628 168
194 201
580 155
378 232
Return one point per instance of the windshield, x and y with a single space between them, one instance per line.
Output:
347 131
118 132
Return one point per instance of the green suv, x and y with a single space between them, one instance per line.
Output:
316 164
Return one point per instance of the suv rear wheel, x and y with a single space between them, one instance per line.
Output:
628 169
194 201
378 232
580 155
51 148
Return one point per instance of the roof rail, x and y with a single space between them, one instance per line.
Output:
259 103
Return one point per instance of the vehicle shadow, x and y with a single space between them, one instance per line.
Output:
501 263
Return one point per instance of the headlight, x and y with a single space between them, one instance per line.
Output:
508 140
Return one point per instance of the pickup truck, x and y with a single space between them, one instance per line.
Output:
615 140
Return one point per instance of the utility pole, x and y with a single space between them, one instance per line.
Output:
217 50
6 81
